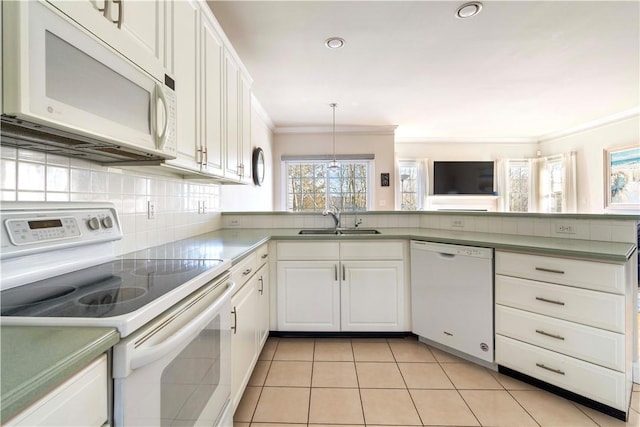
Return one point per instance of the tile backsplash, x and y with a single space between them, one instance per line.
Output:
607 230
33 176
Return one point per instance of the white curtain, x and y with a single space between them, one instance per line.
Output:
502 184
569 190
423 188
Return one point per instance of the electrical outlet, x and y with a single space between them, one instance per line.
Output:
457 223
151 210
565 229
234 223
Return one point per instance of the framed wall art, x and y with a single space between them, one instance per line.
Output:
622 177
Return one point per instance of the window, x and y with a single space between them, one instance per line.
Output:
518 178
411 185
552 186
313 187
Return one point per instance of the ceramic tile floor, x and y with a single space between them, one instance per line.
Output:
396 382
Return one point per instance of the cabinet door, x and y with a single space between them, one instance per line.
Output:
308 294
186 18
141 33
262 322
232 128
372 296
243 337
144 22
245 131
211 100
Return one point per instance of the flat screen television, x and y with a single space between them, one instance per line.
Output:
463 178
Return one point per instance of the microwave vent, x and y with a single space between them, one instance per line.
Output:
32 136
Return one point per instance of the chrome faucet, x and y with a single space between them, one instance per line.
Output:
335 214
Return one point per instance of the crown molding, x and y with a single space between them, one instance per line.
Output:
464 140
623 115
368 130
258 108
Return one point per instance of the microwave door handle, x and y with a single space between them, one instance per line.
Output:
160 97
145 356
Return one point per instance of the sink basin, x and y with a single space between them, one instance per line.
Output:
318 231
325 231
359 231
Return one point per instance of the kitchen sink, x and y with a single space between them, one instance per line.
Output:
359 231
319 231
325 231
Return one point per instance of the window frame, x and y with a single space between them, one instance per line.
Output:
285 163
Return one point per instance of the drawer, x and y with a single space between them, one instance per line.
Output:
243 270
313 251
598 276
598 309
371 250
595 382
593 345
262 254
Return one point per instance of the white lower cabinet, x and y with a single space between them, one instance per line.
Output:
372 296
249 320
80 401
567 322
357 286
243 337
308 296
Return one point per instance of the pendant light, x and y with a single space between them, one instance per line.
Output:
333 165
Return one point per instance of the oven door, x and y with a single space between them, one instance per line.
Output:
176 370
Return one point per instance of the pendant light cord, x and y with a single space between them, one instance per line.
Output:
334 105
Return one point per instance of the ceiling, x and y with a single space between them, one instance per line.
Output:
517 70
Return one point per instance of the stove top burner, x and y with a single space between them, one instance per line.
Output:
112 296
111 289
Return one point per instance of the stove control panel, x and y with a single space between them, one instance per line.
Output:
29 231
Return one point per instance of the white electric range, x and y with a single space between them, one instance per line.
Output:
59 269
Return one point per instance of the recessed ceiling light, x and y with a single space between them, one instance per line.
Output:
468 10
334 43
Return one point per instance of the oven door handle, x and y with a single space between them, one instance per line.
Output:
144 356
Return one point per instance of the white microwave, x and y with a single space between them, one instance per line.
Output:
65 91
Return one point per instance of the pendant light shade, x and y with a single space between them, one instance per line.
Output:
333 165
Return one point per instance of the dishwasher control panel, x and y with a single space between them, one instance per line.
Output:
452 250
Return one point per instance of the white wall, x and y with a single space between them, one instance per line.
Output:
590 145
243 198
381 145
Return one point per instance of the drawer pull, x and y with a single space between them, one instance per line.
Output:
549 270
449 334
335 272
555 371
247 271
547 334
264 256
261 290
550 301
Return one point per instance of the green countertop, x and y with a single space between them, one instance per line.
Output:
234 244
34 360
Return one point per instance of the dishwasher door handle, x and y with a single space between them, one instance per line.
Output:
447 256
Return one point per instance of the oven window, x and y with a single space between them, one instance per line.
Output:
191 379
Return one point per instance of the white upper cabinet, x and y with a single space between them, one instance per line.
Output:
135 28
186 16
238 121
211 102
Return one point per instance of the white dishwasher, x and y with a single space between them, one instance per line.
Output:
452 296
